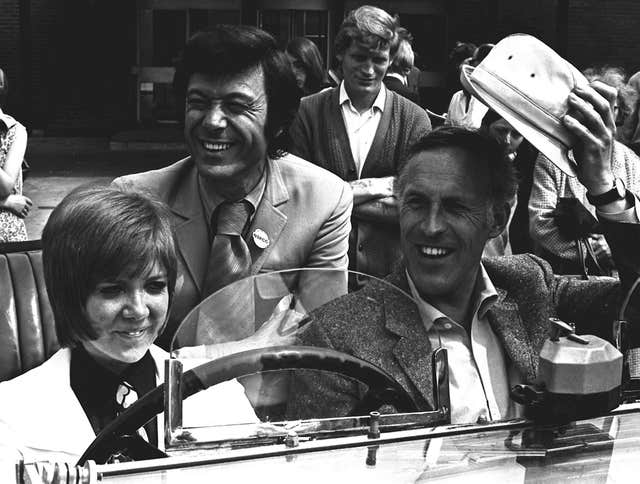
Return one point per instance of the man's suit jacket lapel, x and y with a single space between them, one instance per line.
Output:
413 349
191 227
269 217
522 343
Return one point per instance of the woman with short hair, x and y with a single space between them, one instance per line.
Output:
110 269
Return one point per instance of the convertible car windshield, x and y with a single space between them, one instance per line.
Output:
273 333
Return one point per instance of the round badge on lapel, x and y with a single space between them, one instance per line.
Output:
260 238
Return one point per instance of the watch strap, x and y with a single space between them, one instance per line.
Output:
617 192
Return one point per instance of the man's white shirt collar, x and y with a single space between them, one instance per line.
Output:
480 374
398 76
377 103
485 291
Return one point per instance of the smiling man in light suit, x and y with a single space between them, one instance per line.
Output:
241 205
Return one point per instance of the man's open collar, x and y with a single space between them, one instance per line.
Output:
377 103
485 296
398 76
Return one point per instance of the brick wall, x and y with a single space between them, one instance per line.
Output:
535 17
93 53
481 21
43 67
72 74
78 79
604 31
598 31
10 53
469 21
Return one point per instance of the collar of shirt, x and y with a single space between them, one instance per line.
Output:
398 76
479 373
95 386
378 103
485 296
93 383
6 120
210 200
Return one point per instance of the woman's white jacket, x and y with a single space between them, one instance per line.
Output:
41 418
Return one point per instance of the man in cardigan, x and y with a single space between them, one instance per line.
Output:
360 131
492 315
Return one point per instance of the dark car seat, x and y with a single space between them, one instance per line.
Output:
27 330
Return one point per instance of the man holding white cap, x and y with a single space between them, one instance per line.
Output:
572 253
491 315
529 85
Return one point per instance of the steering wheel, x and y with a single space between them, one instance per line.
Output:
382 387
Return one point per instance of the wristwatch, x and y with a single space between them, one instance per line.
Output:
618 192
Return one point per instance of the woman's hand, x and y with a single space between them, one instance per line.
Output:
18 204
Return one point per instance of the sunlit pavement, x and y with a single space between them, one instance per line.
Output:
53 175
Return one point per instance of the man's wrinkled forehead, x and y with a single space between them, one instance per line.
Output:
248 83
460 159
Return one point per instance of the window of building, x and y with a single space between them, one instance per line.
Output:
172 28
284 25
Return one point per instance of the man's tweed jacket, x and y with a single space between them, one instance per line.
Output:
378 325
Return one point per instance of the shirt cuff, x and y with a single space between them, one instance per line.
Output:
630 215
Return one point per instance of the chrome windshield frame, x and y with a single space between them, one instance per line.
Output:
178 439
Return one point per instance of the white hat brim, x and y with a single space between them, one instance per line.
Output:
553 149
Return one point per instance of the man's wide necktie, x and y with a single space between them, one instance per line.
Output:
229 259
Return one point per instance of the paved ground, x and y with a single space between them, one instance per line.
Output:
53 175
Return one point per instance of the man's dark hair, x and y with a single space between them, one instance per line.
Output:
502 176
489 118
480 53
99 233
228 50
460 52
371 26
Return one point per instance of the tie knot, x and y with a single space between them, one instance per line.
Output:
232 217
